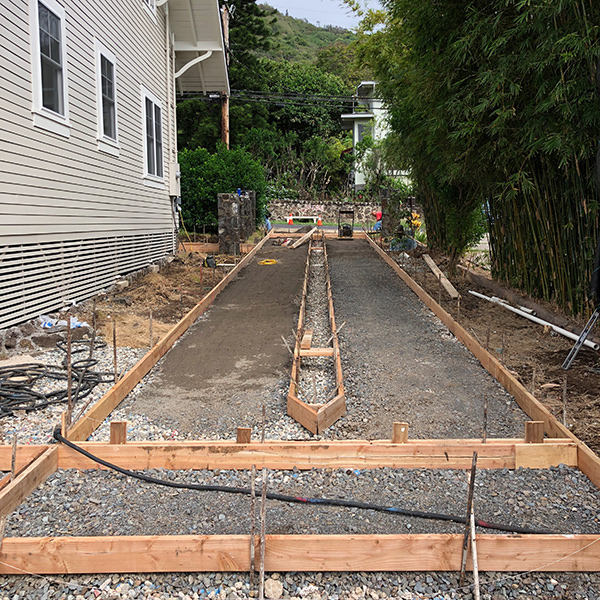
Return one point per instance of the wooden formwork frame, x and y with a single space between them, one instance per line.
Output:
405 552
316 417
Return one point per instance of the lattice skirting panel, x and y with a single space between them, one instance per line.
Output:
46 276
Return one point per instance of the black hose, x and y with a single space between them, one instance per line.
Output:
17 382
295 499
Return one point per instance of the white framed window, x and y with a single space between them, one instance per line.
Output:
49 66
106 99
152 133
150 6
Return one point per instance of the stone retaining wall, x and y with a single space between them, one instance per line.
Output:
281 209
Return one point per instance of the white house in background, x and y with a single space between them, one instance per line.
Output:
88 153
369 117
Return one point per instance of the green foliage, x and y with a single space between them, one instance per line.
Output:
341 59
299 41
204 175
493 103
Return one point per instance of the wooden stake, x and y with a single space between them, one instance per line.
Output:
252 524
476 589
263 531
118 432
151 331
564 399
485 407
533 374
439 289
115 347
400 433
94 325
243 435
465 549
13 461
458 309
487 338
534 432
69 372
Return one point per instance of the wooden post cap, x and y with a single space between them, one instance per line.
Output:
244 435
534 432
118 432
400 433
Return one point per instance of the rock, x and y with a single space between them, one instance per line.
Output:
273 589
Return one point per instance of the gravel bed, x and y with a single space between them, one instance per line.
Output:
99 502
37 427
316 382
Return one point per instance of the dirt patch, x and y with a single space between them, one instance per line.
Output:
168 295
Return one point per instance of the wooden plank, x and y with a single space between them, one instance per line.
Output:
200 247
316 352
328 414
25 455
306 339
400 433
589 463
89 422
534 432
350 553
118 432
304 454
544 456
450 289
301 412
304 238
29 479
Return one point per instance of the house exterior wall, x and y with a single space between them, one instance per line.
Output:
74 217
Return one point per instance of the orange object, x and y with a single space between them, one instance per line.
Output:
319 222
290 220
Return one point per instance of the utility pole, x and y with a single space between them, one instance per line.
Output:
225 16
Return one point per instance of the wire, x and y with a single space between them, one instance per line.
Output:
293 499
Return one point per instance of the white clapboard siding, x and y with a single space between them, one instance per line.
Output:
73 218
44 277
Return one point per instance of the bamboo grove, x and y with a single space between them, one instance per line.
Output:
495 109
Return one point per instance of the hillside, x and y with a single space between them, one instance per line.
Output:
300 41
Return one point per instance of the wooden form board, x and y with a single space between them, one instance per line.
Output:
588 461
450 289
316 417
363 454
402 552
95 416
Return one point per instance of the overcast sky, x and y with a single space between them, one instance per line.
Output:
319 12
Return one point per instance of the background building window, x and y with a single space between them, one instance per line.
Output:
51 60
107 80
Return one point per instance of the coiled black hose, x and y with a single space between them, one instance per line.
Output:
18 383
295 499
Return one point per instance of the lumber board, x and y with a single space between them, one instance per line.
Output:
306 339
96 415
316 352
589 462
445 283
226 553
304 238
25 455
542 456
303 413
28 480
329 413
442 454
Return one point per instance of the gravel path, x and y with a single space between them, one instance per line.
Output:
402 364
